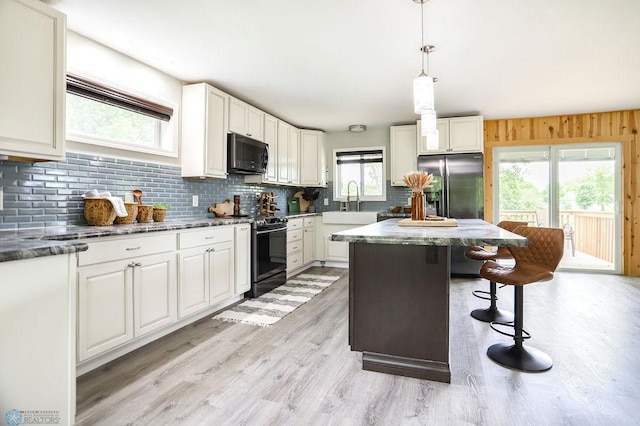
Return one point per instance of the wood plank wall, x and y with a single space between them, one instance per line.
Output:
616 126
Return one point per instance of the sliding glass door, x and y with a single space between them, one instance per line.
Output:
576 187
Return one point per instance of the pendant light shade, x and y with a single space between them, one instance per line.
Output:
428 122
423 94
433 140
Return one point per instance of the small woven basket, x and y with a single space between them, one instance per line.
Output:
145 214
98 212
132 213
159 215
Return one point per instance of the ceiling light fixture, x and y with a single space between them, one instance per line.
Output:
423 93
357 128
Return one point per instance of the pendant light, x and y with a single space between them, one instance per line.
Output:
423 93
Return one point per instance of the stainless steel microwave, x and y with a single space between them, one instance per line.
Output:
246 155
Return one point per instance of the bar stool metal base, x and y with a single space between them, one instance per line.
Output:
492 314
521 358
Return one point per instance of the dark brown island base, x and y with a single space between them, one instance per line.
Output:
399 292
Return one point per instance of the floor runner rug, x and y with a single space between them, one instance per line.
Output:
267 309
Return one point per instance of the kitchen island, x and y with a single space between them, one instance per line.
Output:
399 292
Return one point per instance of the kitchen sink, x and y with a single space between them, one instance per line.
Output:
349 218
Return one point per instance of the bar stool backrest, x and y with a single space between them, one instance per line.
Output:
507 225
545 249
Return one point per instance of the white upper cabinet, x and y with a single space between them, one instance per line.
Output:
246 120
204 131
283 153
32 80
312 158
271 139
457 134
403 155
288 154
294 155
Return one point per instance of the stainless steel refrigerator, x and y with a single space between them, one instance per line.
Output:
458 192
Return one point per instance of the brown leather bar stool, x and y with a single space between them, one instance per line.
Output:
536 262
492 313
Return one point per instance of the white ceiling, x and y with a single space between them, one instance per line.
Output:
330 63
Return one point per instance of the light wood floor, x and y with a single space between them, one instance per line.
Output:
300 371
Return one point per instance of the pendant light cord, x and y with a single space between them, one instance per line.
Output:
422 32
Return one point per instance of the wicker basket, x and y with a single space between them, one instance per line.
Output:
159 215
98 211
132 213
145 214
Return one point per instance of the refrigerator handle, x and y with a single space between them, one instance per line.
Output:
444 171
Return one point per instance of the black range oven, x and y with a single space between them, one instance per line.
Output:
268 254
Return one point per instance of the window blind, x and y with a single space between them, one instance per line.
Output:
110 96
359 157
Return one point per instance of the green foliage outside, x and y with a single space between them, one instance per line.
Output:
89 118
372 173
516 192
592 191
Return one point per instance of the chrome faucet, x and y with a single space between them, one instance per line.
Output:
349 195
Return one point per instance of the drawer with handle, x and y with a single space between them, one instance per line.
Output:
294 224
294 246
205 236
126 247
294 235
294 261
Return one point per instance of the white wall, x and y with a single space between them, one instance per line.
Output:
371 137
95 61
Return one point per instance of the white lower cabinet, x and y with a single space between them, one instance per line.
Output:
37 317
154 293
309 240
220 270
206 265
242 258
105 308
294 245
124 299
193 291
122 296
133 289
336 251
300 244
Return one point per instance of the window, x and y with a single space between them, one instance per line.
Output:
103 115
365 167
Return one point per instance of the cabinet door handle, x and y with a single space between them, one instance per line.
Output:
134 264
209 238
133 248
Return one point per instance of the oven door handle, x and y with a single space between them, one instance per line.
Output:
269 231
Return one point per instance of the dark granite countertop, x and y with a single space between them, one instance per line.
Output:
469 232
50 241
37 242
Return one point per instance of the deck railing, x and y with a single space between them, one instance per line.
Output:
593 231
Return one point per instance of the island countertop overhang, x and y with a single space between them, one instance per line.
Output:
469 232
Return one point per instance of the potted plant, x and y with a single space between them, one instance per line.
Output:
160 211
310 195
